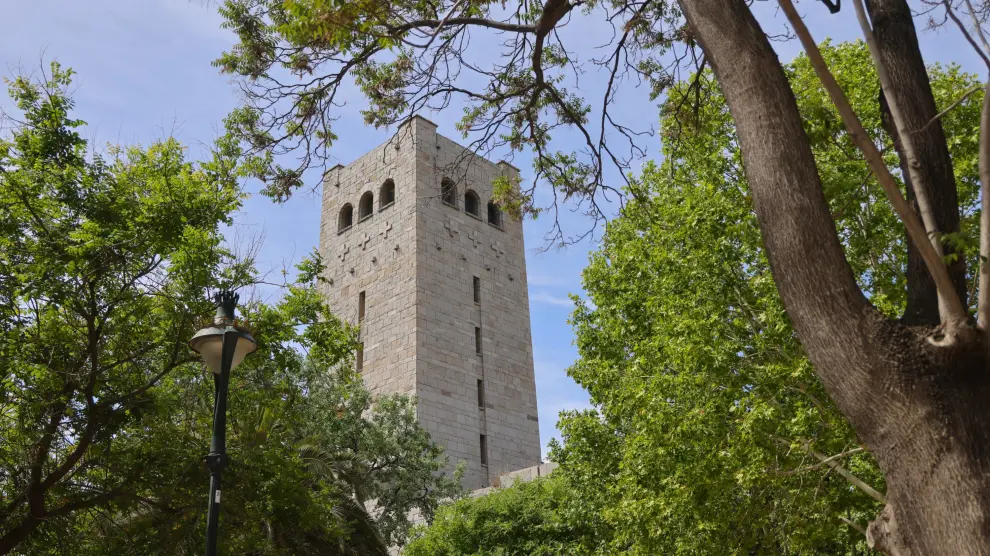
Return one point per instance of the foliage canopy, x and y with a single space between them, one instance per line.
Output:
724 439
106 263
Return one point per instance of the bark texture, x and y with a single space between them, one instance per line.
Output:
19 533
922 295
919 407
897 41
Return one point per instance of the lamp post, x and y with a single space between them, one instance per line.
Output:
223 347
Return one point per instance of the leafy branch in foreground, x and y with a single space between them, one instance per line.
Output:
299 59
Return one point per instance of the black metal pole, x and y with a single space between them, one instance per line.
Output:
217 458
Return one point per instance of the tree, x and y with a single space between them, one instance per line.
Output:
276 500
105 413
911 387
725 441
908 387
104 266
533 518
305 444
712 434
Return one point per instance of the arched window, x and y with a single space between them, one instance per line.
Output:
494 215
472 203
448 192
346 217
366 206
387 194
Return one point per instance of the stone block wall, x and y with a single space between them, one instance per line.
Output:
375 255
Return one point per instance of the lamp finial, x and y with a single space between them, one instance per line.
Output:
226 301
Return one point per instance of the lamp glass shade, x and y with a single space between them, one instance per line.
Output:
208 343
245 345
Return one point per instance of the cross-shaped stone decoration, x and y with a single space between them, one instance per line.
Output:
473 237
497 249
343 253
364 241
451 228
386 229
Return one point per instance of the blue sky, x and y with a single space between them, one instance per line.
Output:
144 73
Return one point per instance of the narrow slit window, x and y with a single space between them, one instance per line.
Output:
484 450
361 299
477 340
477 289
481 393
359 360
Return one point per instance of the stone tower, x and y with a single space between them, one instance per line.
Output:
436 277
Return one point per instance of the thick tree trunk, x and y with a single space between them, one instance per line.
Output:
18 534
893 29
920 408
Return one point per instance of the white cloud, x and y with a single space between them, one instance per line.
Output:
543 297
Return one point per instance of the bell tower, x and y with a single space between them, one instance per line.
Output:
435 274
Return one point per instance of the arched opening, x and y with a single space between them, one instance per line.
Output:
494 215
448 192
387 194
346 217
366 206
472 205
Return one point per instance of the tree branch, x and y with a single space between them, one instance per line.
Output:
35 492
834 465
442 22
475 21
870 491
978 27
826 461
949 108
954 316
983 301
816 283
93 413
853 524
922 188
962 28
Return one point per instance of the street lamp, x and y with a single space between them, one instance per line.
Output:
223 347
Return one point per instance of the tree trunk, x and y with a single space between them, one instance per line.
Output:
922 296
18 534
919 408
893 29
